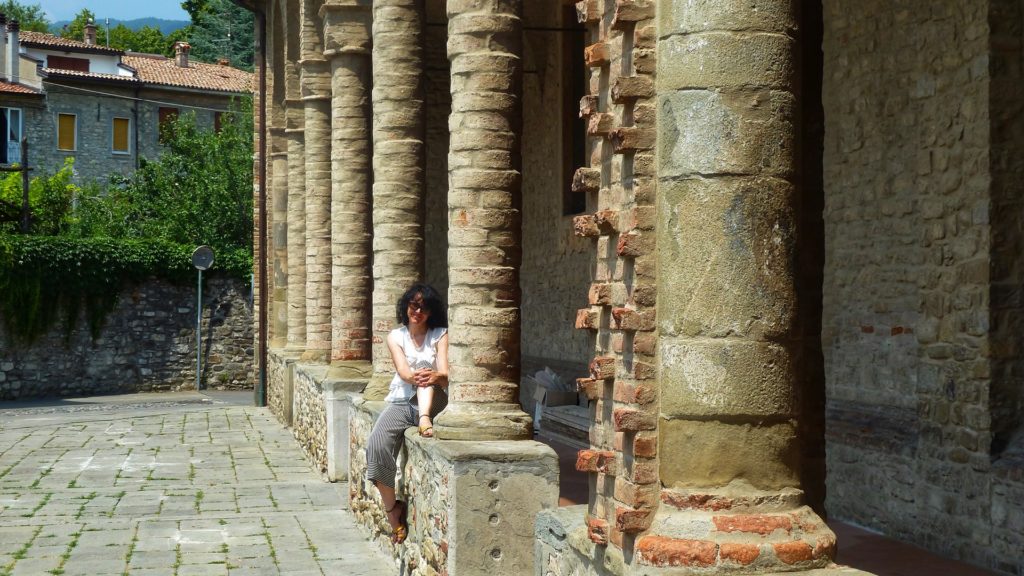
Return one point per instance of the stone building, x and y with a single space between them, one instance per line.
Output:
776 244
101 106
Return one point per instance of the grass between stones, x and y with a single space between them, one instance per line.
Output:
67 553
20 553
43 502
270 543
131 550
81 509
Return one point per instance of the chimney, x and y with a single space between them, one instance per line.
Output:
90 33
3 48
224 62
13 49
181 50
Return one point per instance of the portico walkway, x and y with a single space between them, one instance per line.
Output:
167 484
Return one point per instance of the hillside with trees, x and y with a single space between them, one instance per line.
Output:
218 29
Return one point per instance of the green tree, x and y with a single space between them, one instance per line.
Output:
29 16
221 29
199 191
75 30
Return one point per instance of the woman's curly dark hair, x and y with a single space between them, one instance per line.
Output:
438 317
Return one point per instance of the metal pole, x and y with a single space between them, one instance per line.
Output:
24 186
264 303
199 331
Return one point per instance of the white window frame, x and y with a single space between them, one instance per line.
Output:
14 148
127 152
75 116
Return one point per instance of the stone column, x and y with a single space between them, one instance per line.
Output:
485 192
727 311
315 83
398 168
347 46
279 235
296 226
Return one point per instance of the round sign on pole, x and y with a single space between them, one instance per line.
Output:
202 258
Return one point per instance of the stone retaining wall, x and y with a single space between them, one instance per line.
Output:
309 416
147 344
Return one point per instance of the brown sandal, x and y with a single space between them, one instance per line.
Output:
400 532
428 430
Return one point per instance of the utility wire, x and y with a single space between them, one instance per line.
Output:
110 95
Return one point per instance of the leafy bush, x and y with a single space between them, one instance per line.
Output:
199 191
50 199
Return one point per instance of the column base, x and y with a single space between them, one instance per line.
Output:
564 546
735 532
377 387
350 370
483 421
319 356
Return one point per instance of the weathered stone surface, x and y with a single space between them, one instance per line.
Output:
737 233
702 377
726 60
398 169
706 132
717 453
296 232
347 42
485 49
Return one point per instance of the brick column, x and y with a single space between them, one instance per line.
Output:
347 46
296 119
398 169
727 313
485 48
315 82
279 234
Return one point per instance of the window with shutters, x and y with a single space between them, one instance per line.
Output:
67 132
121 129
167 117
67 63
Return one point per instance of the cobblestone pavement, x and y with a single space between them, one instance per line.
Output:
171 484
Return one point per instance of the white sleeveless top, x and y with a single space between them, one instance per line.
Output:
423 357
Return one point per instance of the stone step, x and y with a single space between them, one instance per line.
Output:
569 424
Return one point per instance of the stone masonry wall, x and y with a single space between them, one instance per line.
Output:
438 106
309 423
906 327
94 158
472 505
556 264
147 344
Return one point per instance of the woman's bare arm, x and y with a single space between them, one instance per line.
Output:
398 359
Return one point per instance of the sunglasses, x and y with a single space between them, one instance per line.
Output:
418 307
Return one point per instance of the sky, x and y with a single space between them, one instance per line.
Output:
57 10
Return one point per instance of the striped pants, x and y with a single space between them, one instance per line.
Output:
387 436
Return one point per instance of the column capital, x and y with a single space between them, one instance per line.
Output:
347 27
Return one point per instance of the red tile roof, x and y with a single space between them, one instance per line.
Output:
39 39
153 69
7 87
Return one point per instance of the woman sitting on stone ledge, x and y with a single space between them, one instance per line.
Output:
419 350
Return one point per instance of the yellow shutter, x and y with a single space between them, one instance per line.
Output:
121 135
66 131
